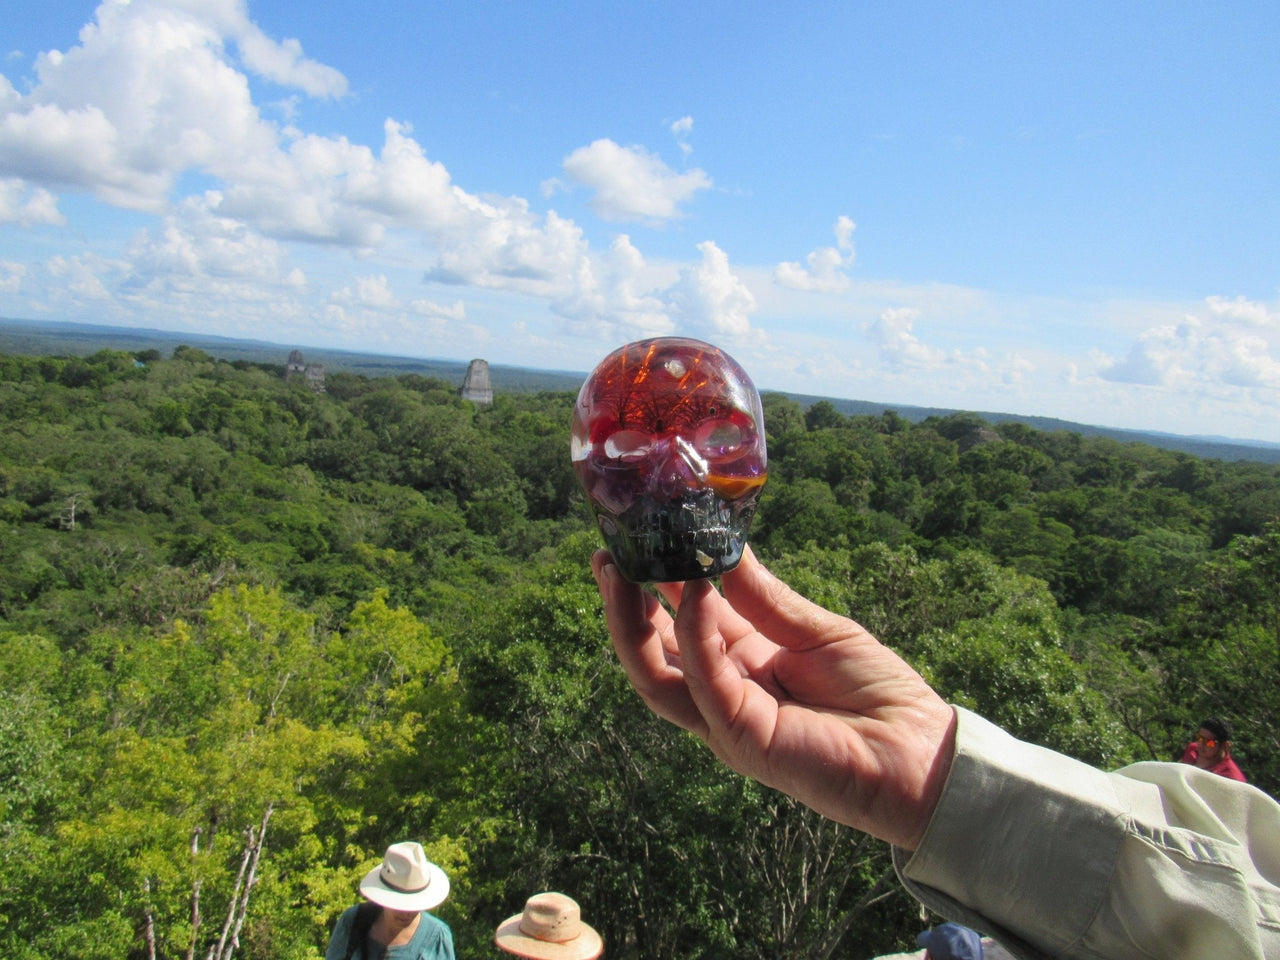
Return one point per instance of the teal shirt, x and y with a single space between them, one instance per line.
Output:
433 940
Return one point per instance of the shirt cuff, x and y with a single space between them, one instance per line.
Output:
1030 835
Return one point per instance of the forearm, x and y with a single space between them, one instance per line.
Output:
1055 858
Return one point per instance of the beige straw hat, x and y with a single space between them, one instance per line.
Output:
550 928
405 880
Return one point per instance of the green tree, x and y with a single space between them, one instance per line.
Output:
1222 654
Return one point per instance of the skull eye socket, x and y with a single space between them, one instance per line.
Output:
717 439
627 445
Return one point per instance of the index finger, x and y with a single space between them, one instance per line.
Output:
644 640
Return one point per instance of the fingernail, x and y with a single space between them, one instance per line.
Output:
605 572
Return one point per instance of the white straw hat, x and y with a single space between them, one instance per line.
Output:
406 880
550 928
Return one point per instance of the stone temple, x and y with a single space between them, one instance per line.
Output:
476 386
310 373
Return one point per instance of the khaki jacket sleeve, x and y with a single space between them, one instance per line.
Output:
1054 858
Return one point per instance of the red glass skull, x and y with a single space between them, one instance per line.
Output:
668 441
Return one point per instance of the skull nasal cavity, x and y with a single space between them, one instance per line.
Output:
679 471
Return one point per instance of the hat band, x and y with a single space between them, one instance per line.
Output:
399 889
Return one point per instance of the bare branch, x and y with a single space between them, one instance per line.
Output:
149 931
229 939
195 897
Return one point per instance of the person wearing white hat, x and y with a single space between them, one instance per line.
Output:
393 923
549 928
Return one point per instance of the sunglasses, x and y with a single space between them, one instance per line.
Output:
1207 741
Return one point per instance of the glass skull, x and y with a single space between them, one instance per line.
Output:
668 442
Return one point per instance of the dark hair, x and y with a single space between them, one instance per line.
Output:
1218 727
361 924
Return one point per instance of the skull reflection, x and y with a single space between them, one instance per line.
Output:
668 441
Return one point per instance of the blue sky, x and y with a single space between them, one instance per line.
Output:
1054 209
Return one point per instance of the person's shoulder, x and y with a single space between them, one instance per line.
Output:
1231 769
433 923
341 932
433 939
347 916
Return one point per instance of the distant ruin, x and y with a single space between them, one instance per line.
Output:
476 386
310 373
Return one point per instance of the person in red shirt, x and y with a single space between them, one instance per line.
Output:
1211 750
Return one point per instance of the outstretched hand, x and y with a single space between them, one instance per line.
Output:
788 693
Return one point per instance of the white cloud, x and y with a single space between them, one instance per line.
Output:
27 206
197 241
151 94
827 267
443 311
11 275
147 95
372 293
681 130
283 63
630 183
1157 357
1223 348
199 270
609 299
1243 310
369 291
1245 361
82 276
709 300
893 333
369 313
502 246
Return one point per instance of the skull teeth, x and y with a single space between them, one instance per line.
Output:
700 535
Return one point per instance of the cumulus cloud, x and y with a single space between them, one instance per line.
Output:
825 269
1157 357
196 240
632 184
1187 356
893 332
82 276
11 275
1224 347
710 300
148 94
369 291
370 309
904 355
283 63
456 311
151 94
1243 310
27 206
609 298
156 93
504 247
374 292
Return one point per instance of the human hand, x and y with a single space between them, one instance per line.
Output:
788 693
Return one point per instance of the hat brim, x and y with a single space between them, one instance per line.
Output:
586 946
432 895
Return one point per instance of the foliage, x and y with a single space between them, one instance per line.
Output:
251 633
